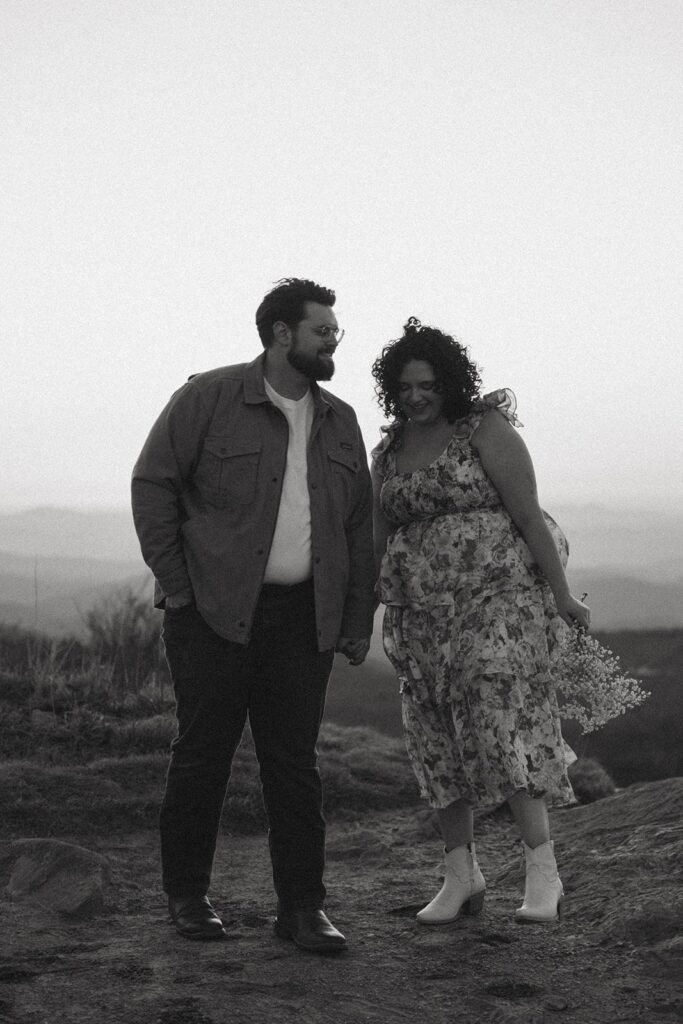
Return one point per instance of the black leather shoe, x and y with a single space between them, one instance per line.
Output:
310 930
195 918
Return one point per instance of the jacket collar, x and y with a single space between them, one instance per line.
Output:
255 392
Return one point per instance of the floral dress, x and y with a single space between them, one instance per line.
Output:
470 628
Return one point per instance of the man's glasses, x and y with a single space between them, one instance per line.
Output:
329 332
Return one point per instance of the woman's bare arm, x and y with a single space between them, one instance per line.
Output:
382 528
508 465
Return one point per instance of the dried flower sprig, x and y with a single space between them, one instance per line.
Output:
592 688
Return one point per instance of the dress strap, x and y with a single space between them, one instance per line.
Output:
503 399
381 453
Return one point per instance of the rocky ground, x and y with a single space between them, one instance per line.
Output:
615 957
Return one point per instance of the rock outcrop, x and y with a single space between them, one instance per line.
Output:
57 876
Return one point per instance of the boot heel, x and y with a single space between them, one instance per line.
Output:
474 904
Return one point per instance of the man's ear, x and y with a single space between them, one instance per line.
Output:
282 334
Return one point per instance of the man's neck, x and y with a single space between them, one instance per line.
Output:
284 379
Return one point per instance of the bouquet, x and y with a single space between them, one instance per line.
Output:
592 688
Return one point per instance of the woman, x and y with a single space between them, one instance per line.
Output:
471 571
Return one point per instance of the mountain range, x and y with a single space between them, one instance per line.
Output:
56 563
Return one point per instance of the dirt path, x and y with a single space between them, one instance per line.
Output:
129 966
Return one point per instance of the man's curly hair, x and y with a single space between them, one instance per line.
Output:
456 375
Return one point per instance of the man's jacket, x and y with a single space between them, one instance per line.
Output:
206 492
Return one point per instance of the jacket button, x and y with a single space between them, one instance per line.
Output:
317 560
241 625
314 487
259 551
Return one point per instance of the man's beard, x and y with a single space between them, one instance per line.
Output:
313 367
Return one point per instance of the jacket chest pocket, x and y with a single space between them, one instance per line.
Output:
228 470
344 466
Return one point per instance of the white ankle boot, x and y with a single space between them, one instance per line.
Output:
462 890
543 890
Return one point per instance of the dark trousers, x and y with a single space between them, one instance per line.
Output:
279 680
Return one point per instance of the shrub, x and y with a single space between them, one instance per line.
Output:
590 781
123 634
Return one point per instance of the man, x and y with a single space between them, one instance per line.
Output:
252 503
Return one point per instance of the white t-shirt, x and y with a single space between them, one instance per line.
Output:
290 553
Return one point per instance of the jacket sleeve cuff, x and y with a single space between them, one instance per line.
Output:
357 624
173 584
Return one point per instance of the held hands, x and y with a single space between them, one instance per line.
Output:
573 611
354 649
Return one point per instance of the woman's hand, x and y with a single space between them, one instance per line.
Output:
573 611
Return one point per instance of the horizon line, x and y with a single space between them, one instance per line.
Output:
660 506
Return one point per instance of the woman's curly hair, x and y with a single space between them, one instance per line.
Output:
456 375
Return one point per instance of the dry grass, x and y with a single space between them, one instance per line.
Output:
361 770
85 743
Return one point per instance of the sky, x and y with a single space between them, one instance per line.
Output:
506 170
